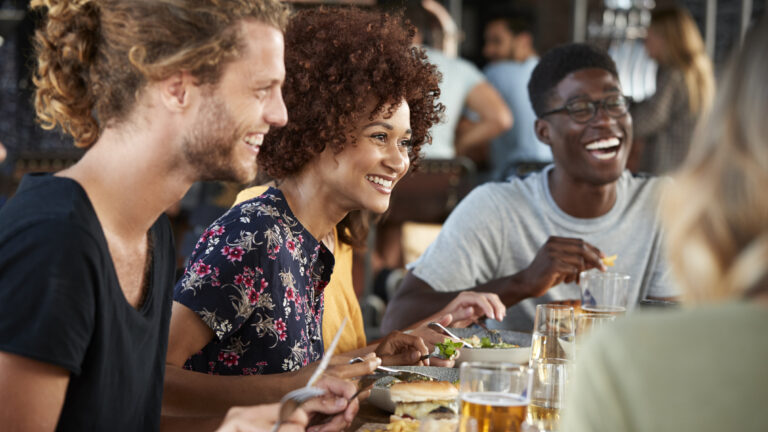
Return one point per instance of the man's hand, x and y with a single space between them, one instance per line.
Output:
261 418
560 260
467 307
334 410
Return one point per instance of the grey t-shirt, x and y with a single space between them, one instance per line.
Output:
498 228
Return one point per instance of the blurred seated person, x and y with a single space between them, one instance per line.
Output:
685 87
527 239
510 49
462 87
701 368
251 301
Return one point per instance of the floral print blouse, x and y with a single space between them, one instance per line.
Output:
256 277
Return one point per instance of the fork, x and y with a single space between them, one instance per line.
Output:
439 328
397 373
493 334
293 400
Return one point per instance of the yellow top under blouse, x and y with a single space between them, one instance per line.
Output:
340 298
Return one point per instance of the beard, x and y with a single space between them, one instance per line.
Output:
210 148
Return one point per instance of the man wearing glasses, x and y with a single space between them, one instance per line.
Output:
529 238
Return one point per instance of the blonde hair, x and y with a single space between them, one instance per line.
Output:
685 51
716 212
94 56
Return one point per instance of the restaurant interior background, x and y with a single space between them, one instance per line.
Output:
426 197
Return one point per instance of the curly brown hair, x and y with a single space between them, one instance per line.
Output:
94 56
336 59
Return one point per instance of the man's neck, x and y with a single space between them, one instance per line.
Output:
130 179
579 199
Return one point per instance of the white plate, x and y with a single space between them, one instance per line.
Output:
519 355
380 391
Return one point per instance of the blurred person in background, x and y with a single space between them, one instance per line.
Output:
159 93
527 239
463 87
248 314
701 368
685 87
510 49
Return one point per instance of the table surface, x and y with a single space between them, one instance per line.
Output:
371 417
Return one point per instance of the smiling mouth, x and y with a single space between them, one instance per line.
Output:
380 181
254 141
604 149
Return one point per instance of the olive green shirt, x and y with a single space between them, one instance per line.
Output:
696 370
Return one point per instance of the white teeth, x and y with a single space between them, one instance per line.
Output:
379 181
604 156
602 144
254 140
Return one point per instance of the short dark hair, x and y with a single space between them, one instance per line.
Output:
559 62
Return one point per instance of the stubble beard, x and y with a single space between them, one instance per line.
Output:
210 147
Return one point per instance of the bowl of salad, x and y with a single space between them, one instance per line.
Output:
506 346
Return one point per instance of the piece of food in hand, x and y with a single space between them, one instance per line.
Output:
420 400
610 260
448 349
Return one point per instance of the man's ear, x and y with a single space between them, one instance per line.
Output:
542 131
176 91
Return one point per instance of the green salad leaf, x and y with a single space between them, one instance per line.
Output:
448 348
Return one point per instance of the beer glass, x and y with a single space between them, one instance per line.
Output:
604 293
550 377
553 332
493 396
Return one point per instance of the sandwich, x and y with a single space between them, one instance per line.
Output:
436 400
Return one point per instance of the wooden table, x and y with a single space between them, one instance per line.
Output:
373 418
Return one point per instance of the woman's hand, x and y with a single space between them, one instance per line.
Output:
261 418
399 348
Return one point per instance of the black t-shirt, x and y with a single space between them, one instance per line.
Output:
61 303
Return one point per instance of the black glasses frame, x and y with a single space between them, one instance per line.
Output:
596 105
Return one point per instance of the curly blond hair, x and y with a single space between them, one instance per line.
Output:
95 56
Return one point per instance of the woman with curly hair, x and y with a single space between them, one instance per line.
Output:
360 102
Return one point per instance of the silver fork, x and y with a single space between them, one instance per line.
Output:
440 329
493 334
293 400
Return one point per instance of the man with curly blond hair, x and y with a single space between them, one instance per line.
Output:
163 93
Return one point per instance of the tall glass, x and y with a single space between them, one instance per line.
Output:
493 396
604 293
550 377
553 332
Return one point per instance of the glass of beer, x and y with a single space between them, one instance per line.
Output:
493 396
550 377
604 293
553 332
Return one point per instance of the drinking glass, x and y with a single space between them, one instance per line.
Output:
604 293
588 322
553 332
493 397
550 378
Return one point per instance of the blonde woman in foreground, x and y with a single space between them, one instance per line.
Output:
700 368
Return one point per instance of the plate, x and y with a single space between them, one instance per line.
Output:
380 392
519 355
